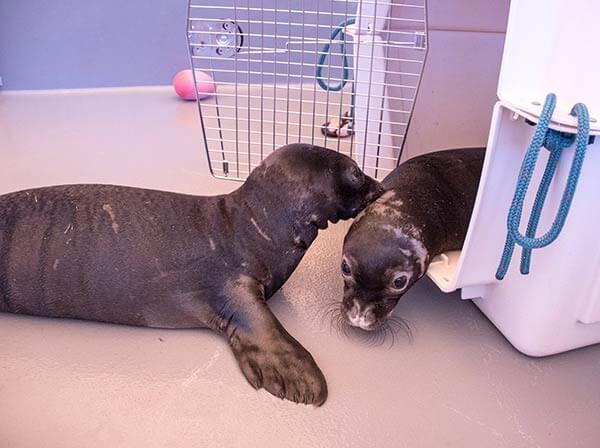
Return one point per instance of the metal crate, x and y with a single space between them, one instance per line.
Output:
284 68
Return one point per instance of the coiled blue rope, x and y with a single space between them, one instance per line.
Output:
555 142
337 33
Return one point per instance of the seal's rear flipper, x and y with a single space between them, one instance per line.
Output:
267 355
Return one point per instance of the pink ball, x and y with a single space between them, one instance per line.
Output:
183 83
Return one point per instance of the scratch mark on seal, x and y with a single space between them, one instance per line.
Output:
108 209
259 230
212 244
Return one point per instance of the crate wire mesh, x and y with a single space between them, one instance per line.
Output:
285 68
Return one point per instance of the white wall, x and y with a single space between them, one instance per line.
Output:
458 89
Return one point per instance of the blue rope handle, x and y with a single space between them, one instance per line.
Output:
555 141
337 31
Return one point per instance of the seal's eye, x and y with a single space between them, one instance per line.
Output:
400 282
345 268
356 176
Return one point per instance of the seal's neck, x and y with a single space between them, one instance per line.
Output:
283 212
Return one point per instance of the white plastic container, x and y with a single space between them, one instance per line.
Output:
557 306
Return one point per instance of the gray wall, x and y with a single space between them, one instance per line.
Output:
128 42
48 44
83 43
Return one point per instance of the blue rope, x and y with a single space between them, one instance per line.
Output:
338 32
555 142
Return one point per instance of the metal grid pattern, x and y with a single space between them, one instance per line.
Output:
264 58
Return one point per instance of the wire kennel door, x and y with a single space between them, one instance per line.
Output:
285 68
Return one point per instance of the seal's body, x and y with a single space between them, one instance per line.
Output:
425 211
151 258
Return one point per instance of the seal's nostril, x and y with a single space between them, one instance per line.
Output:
369 316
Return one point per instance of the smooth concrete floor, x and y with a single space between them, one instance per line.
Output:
64 384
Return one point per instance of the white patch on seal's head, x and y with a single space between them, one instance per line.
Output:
406 252
390 198
411 234
360 215
421 253
386 205
382 209
390 194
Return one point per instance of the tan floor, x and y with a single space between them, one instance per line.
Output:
77 384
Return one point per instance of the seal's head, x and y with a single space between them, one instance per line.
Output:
383 257
326 184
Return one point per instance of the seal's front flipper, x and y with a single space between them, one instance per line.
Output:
278 363
267 355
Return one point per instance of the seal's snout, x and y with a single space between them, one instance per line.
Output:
371 191
367 315
359 316
361 198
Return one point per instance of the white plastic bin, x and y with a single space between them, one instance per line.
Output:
557 306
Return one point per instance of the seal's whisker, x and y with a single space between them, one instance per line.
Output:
375 337
400 324
390 330
331 305
385 328
327 316
343 325
329 309
367 337
335 321
379 336
330 315
340 327
384 334
336 318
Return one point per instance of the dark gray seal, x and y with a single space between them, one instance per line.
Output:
425 211
157 259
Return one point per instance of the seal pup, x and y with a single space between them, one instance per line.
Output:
158 259
424 211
